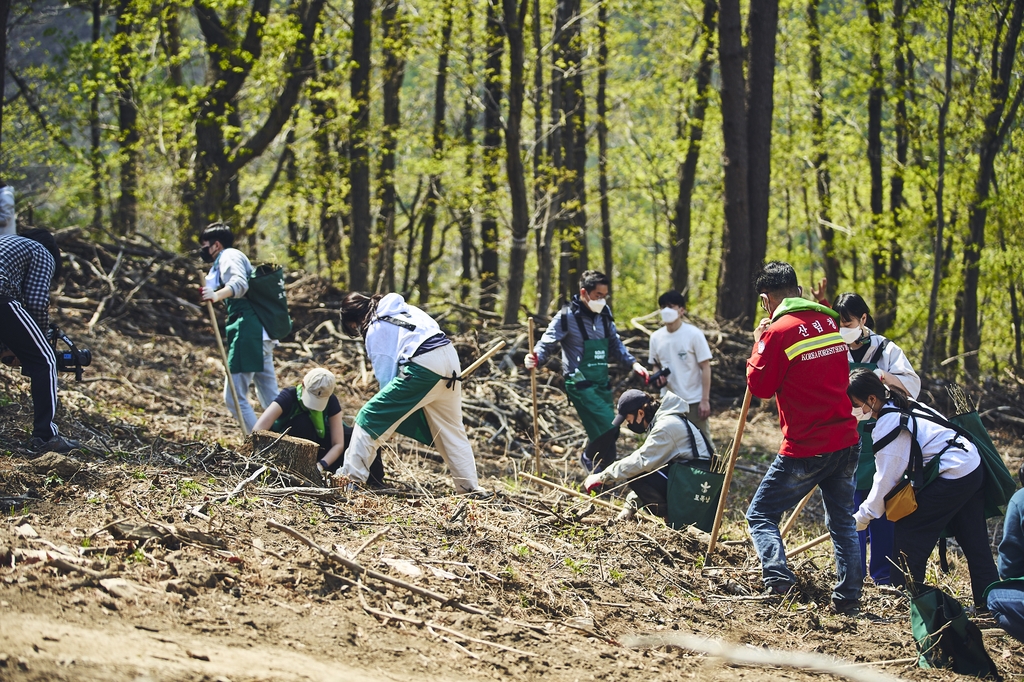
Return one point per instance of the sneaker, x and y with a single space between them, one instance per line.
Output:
480 494
846 607
587 461
321 466
777 589
56 443
628 513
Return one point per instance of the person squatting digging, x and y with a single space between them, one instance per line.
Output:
800 358
1006 598
312 411
682 348
670 438
950 496
420 393
586 332
874 352
250 348
29 265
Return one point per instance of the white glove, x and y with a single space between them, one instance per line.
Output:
861 525
208 294
592 482
531 360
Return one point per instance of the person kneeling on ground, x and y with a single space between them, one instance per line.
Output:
670 438
1006 598
312 411
420 392
950 495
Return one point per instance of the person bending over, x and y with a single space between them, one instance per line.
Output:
420 393
951 494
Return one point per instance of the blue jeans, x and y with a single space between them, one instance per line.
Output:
879 532
787 481
266 388
1007 606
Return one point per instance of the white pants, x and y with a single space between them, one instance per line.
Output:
266 388
443 409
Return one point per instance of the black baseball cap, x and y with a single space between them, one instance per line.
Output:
629 403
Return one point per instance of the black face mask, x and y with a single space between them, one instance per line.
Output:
638 426
204 253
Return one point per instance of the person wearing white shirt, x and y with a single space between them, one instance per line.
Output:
953 501
682 348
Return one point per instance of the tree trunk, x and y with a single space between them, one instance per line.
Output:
602 139
547 289
393 46
940 217
822 176
296 240
468 125
736 298
515 14
762 27
571 224
1015 316
876 93
95 153
434 182
493 92
901 125
297 455
326 169
127 117
687 173
359 152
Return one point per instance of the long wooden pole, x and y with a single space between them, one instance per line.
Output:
227 370
728 472
807 545
533 391
483 358
796 512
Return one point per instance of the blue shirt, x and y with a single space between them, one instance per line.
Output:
567 334
1011 548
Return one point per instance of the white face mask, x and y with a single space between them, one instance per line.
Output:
669 315
862 414
596 305
850 334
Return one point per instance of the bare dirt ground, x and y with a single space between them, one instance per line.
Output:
141 557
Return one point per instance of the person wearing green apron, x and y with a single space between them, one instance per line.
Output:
250 349
880 355
585 331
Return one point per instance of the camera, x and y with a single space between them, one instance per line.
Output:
663 372
74 358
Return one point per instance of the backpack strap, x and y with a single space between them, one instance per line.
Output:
399 323
693 441
877 355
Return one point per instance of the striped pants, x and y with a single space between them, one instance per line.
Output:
20 333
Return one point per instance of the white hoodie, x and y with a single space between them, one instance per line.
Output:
390 345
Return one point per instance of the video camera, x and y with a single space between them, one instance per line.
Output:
71 360
663 372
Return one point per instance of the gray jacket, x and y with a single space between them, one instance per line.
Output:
668 439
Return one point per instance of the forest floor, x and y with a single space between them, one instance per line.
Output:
142 557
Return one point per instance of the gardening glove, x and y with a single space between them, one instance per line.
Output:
531 360
593 482
642 371
208 294
861 525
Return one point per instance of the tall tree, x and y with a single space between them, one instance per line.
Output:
879 242
901 131
433 199
735 297
687 172
393 25
762 27
212 189
822 177
126 217
547 201
95 132
571 224
493 92
514 16
1000 115
359 150
468 127
324 114
602 138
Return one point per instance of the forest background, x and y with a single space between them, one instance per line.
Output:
485 152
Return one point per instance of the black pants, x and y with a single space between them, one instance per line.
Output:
652 489
376 479
20 333
959 506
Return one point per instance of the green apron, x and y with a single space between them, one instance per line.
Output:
866 464
244 331
394 401
588 388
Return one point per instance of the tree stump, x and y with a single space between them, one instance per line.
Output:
297 455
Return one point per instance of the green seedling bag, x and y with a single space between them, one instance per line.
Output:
945 637
693 495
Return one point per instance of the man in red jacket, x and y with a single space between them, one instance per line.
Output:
800 358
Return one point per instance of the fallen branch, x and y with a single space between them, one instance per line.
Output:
365 572
810 543
747 655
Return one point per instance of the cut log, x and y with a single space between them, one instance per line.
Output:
286 452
